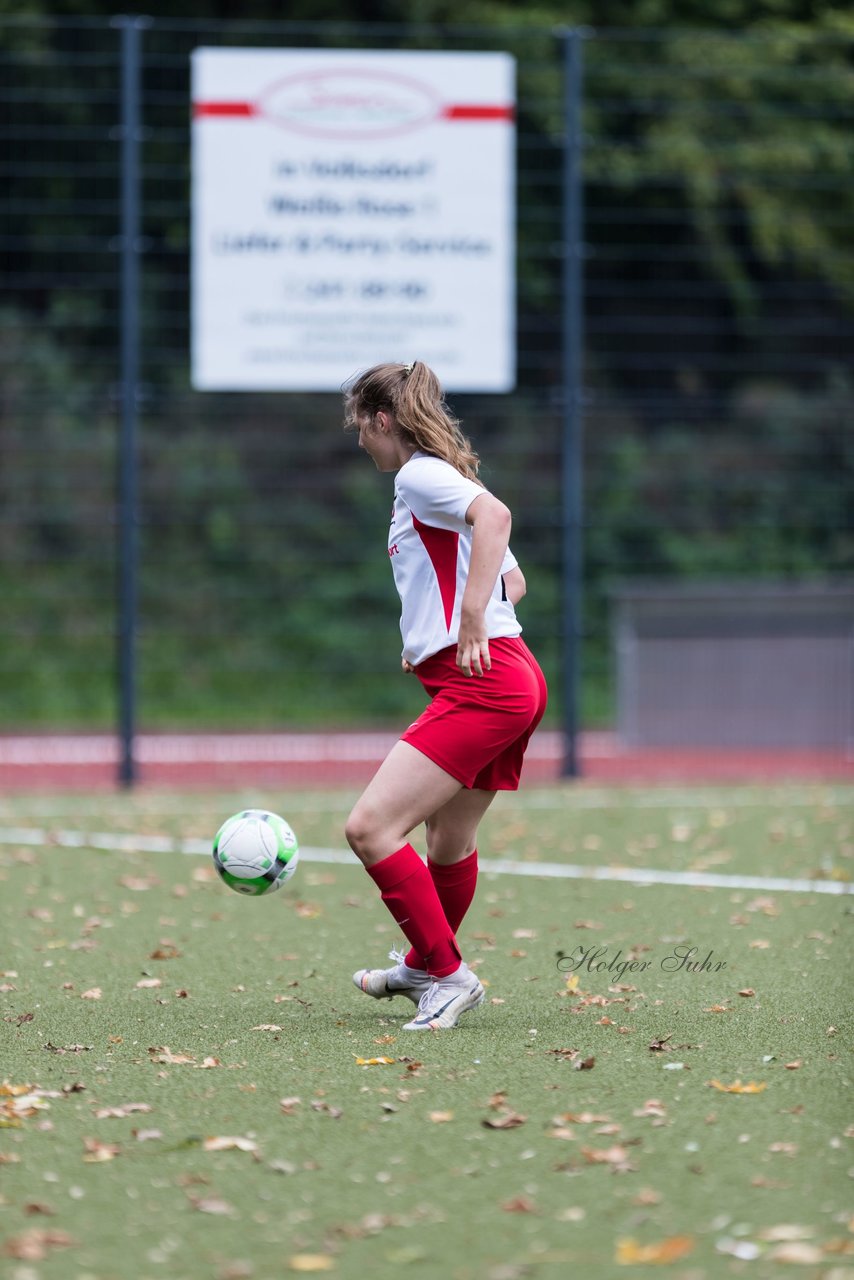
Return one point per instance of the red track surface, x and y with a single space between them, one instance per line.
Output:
71 762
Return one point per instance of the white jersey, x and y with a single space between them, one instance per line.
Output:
430 550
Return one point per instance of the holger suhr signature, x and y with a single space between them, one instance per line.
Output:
682 958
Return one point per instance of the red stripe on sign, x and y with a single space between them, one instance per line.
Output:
241 109
473 112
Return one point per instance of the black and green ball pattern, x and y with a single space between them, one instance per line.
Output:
255 852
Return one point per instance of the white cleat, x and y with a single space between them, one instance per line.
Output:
442 1005
384 984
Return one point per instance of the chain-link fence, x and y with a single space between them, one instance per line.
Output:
718 285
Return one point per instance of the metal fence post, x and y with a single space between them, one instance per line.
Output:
572 352
131 30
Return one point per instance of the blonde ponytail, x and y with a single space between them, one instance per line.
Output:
414 396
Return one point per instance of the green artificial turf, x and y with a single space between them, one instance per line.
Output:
137 980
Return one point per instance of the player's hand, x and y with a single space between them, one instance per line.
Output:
406 667
473 650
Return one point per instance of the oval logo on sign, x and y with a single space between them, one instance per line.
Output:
349 104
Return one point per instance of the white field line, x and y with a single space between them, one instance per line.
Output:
126 843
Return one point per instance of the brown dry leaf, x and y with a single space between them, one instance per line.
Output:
783 1231
585 1117
35 1208
586 1064
127 1109
94 993
166 951
652 1107
647 1196
212 1204
752 1086
311 1262
98 1152
718 1008
797 1251
139 884
229 1144
33 1246
440 1117
569 1054
376 1062
747 991
207 1063
629 1252
519 1204
660 1045
164 1054
793 1066
616 1156
510 1120
289 1105
326 1108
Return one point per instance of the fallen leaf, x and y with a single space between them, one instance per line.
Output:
146 1135
212 1204
289 1105
511 1120
326 1108
311 1262
98 1152
737 1087
793 1066
747 991
33 1246
127 1108
616 1156
718 1008
229 1144
784 1231
660 1045
165 1055
783 1148
440 1117
94 993
168 951
797 1251
207 1063
374 1062
38 1207
267 1026
519 1204
663 1251
586 1064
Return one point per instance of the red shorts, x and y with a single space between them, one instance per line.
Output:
477 727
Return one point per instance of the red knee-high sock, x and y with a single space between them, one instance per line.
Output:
455 885
407 889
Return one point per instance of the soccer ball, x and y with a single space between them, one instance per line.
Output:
255 852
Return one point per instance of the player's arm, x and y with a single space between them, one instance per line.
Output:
515 585
490 521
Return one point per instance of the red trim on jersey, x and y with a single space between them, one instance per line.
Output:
441 546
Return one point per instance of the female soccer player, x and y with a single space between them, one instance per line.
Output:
458 583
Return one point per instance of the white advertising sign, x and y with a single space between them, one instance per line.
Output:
351 208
